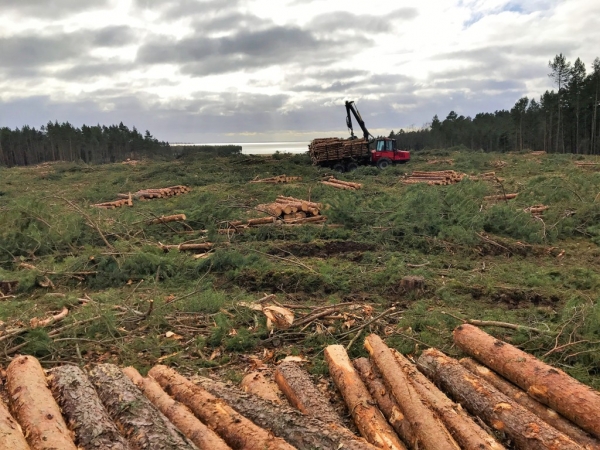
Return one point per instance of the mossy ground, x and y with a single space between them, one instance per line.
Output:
479 260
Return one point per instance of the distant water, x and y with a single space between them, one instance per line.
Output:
266 148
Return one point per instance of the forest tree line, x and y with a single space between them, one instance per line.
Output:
64 142
564 120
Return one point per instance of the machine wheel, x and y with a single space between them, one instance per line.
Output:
383 163
339 167
351 166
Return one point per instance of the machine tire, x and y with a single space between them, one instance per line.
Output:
384 163
339 167
351 166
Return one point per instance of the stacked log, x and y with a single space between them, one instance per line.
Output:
486 176
114 204
283 211
440 177
146 194
278 179
335 149
339 184
584 164
536 210
538 153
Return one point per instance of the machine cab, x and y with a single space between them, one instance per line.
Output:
385 145
386 148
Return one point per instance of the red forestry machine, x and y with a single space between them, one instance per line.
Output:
345 155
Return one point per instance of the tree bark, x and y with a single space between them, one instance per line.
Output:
386 402
85 414
430 431
305 432
143 425
256 383
11 436
548 415
177 413
235 429
297 386
367 417
527 430
34 407
463 429
550 386
165 219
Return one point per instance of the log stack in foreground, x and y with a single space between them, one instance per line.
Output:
439 177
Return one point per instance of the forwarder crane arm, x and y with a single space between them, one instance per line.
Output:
351 108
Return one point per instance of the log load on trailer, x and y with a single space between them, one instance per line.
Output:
345 155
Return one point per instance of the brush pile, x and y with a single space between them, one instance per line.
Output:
283 211
395 404
278 179
332 149
440 177
339 184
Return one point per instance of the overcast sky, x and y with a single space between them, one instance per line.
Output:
262 70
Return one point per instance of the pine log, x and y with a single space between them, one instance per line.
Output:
386 402
338 186
239 432
34 407
302 431
429 430
346 183
308 203
256 383
367 417
527 430
500 197
548 385
543 412
11 436
314 219
165 219
85 414
142 424
177 413
463 429
261 221
298 387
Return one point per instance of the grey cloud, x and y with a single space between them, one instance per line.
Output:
228 21
369 24
186 8
53 9
92 70
114 36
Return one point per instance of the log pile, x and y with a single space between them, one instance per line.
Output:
536 210
144 194
283 211
116 203
335 149
538 153
439 177
487 176
586 164
278 179
339 184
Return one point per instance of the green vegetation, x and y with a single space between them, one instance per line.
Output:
132 303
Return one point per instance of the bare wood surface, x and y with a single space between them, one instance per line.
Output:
386 402
302 431
11 436
543 412
34 407
142 424
367 417
83 410
464 430
298 387
430 431
549 385
527 431
256 383
177 413
165 219
235 429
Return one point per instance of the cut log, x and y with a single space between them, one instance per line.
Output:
463 429
314 219
11 436
500 197
527 430
298 387
430 431
261 221
345 183
37 323
85 414
303 431
143 425
548 385
386 402
367 417
177 413
235 429
165 219
256 383
205 246
34 407
543 412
